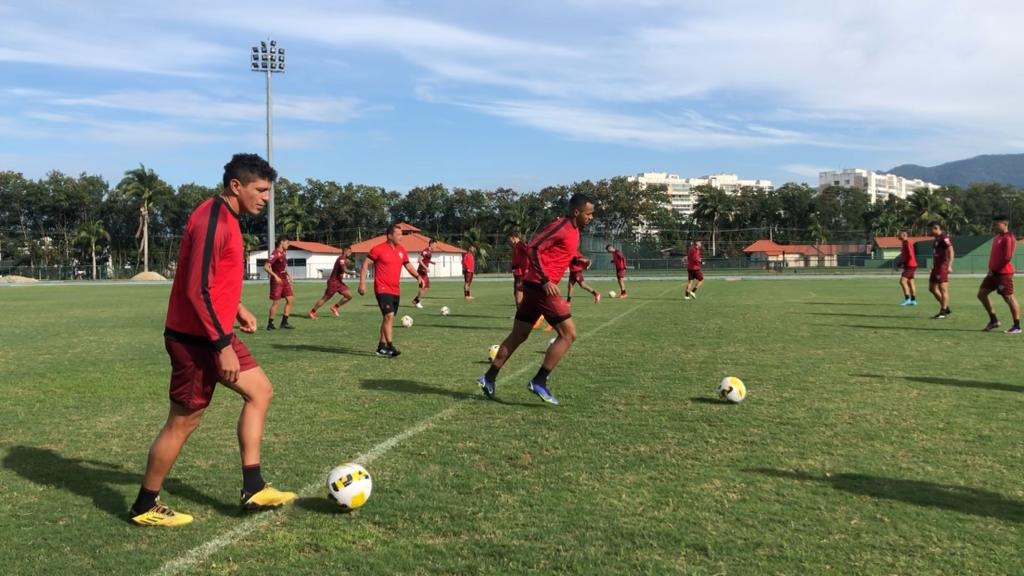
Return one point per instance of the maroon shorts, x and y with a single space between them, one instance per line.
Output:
194 373
536 303
908 272
575 278
620 273
280 290
468 276
695 275
939 275
1002 283
424 277
336 287
517 284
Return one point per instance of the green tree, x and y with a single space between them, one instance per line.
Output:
92 233
143 184
714 207
295 216
475 237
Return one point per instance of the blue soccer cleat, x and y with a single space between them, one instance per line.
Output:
487 387
542 392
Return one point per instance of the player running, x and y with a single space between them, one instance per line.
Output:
388 258
576 267
423 269
694 275
550 253
619 262
468 268
942 266
1000 275
280 284
336 285
908 261
205 301
520 262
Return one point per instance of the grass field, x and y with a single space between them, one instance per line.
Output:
873 440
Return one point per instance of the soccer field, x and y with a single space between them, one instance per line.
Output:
873 440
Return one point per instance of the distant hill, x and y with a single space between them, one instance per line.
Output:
1001 168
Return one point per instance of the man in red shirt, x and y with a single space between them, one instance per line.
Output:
1000 275
908 261
550 253
280 283
336 285
694 275
942 266
520 262
576 267
205 301
619 262
468 268
388 258
423 269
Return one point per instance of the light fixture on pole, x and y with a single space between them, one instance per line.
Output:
269 59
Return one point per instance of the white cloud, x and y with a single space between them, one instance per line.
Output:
805 170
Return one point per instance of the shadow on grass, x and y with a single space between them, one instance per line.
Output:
960 499
815 303
898 328
504 316
324 349
413 387
852 315
707 400
321 505
97 480
956 382
458 326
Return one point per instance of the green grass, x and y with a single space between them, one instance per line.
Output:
873 440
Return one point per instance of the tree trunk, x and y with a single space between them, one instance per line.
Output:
93 246
145 242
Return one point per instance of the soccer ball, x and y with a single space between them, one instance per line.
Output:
732 389
492 352
612 293
407 321
349 485
445 311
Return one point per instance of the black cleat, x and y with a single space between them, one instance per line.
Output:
270 325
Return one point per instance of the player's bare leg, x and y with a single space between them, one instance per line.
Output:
419 296
323 300
467 293
622 287
568 293
520 332
272 314
181 423
539 383
289 301
594 293
385 346
1011 301
993 322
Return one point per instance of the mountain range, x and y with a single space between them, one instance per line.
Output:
1000 168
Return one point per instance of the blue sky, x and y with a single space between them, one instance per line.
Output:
520 94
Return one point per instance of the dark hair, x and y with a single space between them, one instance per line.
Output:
247 167
579 200
391 229
935 223
1000 218
279 240
609 246
903 231
514 232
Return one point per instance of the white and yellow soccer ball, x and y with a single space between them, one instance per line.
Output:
445 311
732 389
492 352
407 321
612 293
349 485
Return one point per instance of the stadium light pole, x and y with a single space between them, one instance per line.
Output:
269 59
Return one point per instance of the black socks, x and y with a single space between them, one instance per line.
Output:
542 376
492 374
252 480
144 501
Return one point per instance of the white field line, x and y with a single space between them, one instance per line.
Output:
246 527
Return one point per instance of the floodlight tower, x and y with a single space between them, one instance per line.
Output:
269 59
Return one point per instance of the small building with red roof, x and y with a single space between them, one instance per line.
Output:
445 263
305 260
801 255
888 247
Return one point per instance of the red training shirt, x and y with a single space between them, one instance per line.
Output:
387 262
576 264
1000 261
340 267
424 264
468 265
693 258
279 264
207 286
907 256
520 258
552 250
941 260
619 260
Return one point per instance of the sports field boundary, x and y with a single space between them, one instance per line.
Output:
200 553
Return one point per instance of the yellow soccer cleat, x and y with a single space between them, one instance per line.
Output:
267 498
160 515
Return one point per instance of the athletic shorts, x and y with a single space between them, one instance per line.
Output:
697 275
575 278
908 272
336 287
536 303
194 373
620 273
280 290
468 277
939 275
1002 283
424 277
388 303
517 284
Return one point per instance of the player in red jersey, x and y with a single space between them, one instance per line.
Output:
423 269
336 285
550 253
520 262
205 301
942 266
1000 275
694 275
576 267
908 261
468 268
388 258
280 284
619 262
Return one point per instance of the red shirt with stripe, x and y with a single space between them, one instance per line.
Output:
552 250
619 261
1000 261
424 264
388 261
468 263
340 267
576 264
693 258
907 256
207 286
279 264
520 258
940 252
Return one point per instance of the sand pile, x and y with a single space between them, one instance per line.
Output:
147 277
15 279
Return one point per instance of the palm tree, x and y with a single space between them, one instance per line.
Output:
141 183
927 206
713 207
92 233
474 237
293 216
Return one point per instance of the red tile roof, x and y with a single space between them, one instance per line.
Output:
894 241
313 247
770 248
411 240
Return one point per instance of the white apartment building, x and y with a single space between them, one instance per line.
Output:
680 190
878 185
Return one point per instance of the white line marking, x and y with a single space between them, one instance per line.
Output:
246 527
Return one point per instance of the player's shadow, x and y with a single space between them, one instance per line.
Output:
324 349
814 303
961 499
96 480
854 315
459 326
956 382
898 328
321 505
412 387
707 400
504 316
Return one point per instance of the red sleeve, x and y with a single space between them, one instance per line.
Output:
206 243
549 237
405 257
1011 244
373 253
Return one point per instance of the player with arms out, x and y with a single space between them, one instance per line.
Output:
908 261
550 253
388 258
576 267
336 285
520 262
468 268
619 262
694 274
205 301
423 269
942 266
1000 275
280 284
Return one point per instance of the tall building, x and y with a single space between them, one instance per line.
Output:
878 185
680 190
